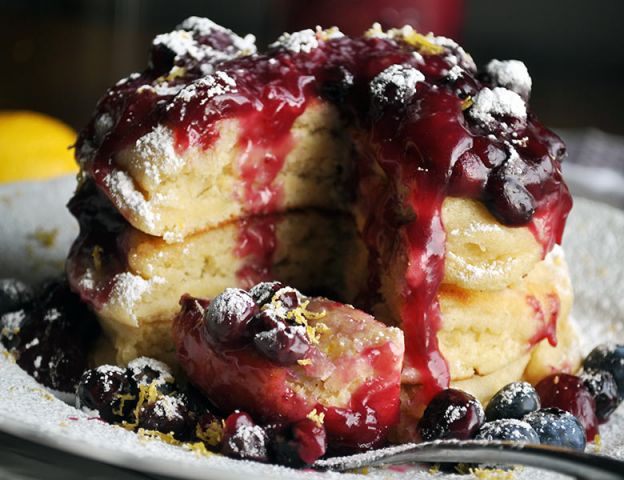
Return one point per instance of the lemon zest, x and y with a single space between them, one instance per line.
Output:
213 434
317 417
304 361
467 103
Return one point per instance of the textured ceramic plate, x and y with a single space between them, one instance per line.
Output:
35 233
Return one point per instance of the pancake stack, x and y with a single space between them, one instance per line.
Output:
383 171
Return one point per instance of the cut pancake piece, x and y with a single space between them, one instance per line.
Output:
295 357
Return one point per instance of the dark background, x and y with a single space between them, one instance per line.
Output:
59 56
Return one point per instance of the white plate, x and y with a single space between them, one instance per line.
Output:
31 213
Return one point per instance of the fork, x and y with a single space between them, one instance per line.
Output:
562 460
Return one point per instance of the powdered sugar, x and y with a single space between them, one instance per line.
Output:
511 74
210 86
296 42
169 407
128 289
122 189
203 26
155 153
497 102
233 302
455 72
402 77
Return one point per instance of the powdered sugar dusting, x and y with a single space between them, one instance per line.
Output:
511 74
128 289
497 102
296 42
169 407
402 77
155 153
122 188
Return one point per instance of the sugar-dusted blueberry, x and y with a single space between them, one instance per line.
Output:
451 414
263 292
568 393
337 83
608 357
601 385
168 414
149 371
510 429
514 400
209 429
299 444
266 320
244 439
228 315
289 297
557 427
107 391
14 295
284 344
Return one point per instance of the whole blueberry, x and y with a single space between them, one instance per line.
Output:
168 414
451 414
14 295
149 371
601 385
284 344
510 429
608 357
107 391
263 292
228 315
557 427
243 439
514 400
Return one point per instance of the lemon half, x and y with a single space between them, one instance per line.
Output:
34 146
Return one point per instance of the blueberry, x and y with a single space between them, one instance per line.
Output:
14 295
601 385
168 414
228 315
243 439
283 344
567 392
299 444
451 414
510 429
512 401
147 371
610 358
55 336
289 297
508 200
263 292
337 84
557 427
109 391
